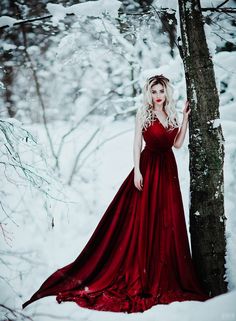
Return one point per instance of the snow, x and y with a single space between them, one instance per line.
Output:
211 3
57 11
87 9
170 4
14 121
96 9
221 308
87 67
9 46
89 198
210 40
8 21
216 123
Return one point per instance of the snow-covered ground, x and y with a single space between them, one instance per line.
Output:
45 249
220 308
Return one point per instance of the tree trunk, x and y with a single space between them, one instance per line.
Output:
206 146
8 80
168 21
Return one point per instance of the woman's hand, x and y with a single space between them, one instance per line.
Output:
138 180
186 111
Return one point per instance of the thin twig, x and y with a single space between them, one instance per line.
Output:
101 144
38 91
79 154
224 10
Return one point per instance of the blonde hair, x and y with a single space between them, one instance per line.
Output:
146 111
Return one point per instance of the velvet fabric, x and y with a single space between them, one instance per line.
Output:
138 255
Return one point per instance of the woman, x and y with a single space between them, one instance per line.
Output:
138 256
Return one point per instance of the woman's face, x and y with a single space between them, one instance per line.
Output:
158 94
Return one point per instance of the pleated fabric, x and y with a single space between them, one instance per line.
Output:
138 255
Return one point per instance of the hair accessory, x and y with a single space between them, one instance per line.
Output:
158 77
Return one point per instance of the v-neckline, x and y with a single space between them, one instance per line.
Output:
161 123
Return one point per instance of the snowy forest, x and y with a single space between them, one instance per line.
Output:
72 74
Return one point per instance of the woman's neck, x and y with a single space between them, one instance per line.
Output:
158 108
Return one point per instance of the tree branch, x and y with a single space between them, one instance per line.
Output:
38 92
27 21
223 3
100 145
79 154
223 10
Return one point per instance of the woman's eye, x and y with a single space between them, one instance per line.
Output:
161 92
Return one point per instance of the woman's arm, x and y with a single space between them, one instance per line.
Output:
179 139
138 178
137 145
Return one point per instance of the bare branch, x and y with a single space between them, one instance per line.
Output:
168 28
224 10
15 314
79 154
16 141
96 105
101 144
38 91
5 232
31 20
223 3
27 21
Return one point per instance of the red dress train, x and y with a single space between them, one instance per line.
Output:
139 255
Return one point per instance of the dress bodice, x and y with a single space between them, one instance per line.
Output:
159 138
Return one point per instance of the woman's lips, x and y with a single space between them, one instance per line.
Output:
158 100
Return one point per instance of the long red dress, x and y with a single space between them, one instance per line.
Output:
139 255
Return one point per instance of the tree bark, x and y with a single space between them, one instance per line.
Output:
206 147
166 17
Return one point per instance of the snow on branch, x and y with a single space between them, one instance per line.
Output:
58 12
87 9
98 9
17 143
8 21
